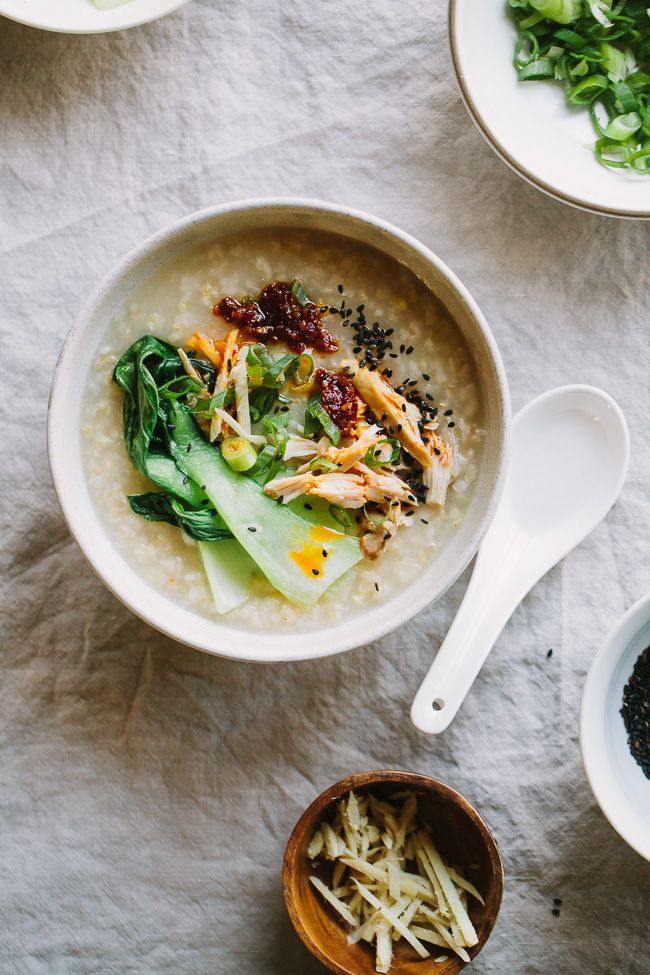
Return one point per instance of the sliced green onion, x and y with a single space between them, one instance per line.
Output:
238 453
600 51
526 49
303 373
561 11
542 68
623 127
612 154
329 426
641 161
299 293
625 97
597 9
340 515
588 89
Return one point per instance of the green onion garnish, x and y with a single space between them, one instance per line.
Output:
238 453
600 51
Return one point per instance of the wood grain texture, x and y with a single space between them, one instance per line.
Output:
460 834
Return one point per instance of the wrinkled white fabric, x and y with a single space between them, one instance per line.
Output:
146 790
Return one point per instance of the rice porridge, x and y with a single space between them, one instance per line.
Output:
425 350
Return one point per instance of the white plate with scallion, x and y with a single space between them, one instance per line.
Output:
86 16
561 91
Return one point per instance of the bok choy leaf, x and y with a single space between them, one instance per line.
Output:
301 560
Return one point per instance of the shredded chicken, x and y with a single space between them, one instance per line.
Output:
400 416
445 465
350 489
347 457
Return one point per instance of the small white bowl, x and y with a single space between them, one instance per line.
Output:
64 431
82 16
617 781
529 125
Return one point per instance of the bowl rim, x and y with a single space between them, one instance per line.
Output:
592 729
125 22
249 646
366 780
534 180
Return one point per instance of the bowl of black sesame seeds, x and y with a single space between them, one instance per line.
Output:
615 727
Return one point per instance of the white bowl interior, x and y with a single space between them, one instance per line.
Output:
530 124
82 17
78 355
618 782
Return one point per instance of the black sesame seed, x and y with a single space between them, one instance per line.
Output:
393 355
409 350
384 416
308 506
395 504
448 412
429 396
387 536
636 712
188 448
324 309
377 586
555 912
389 331
325 553
340 289
252 529
550 652
424 521
557 901
452 424
436 451
403 407
399 427
426 377
316 572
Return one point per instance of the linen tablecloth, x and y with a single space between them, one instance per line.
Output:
148 790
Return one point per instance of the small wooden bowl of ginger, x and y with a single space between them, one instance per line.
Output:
416 840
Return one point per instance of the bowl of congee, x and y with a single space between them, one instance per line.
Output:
278 429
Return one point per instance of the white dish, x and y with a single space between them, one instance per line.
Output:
529 125
82 16
65 449
617 781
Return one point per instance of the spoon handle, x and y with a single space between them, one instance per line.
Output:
494 592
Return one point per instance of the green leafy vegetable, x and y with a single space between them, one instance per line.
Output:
316 418
203 524
230 572
600 51
279 541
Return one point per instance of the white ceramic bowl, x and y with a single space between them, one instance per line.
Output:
82 16
530 124
617 781
79 352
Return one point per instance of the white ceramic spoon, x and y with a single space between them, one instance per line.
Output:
570 451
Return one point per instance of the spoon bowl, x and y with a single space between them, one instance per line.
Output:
570 453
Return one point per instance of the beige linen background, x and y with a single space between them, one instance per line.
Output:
147 791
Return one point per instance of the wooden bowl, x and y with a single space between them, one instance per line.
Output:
459 833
